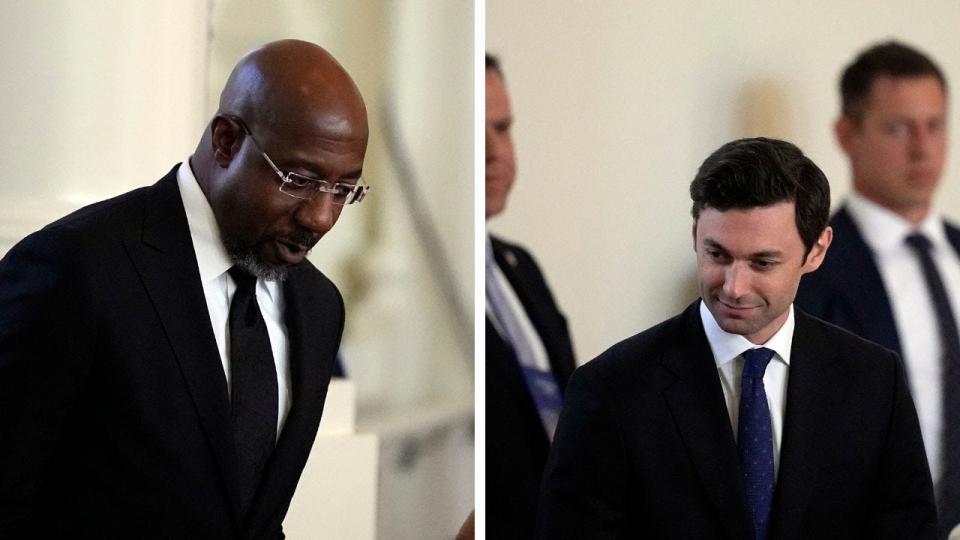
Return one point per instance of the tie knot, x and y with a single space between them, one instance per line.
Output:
756 361
919 242
244 279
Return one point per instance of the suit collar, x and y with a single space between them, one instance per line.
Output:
212 257
727 347
696 401
851 261
884 230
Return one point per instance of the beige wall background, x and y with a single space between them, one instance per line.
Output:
617 103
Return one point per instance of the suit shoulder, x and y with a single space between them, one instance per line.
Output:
96 220
836 271
311 277
853 348
640 350
511 250
499 242
89 226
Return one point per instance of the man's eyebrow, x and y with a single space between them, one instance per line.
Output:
767 254
770 254
711 243
303 165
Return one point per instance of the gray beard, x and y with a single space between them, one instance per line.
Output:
247 259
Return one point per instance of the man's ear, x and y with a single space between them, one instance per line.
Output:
226 138
819 251
844 129
694 236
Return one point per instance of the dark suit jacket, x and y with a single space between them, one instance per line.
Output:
848 291
517 444
114 413
645 449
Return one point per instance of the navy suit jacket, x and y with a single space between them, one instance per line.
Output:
645 449
517 444
848 291
115 417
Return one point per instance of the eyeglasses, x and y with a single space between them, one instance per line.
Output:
303 187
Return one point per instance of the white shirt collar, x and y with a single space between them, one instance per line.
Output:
727 347
213 260
212 257
884 230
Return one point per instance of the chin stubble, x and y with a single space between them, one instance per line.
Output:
248 260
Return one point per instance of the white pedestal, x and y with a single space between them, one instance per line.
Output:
337 494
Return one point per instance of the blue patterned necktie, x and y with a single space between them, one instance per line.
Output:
948 485
755 439
541 384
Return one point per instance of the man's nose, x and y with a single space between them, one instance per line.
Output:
489 146
920 141
736 281
318 214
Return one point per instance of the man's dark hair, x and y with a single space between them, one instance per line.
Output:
751 173
493 64
891 59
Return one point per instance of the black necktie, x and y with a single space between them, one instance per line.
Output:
253 386
948 485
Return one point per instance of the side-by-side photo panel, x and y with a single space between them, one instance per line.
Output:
722 271
237 275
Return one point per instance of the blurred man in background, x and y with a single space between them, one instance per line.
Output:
893 273
529 354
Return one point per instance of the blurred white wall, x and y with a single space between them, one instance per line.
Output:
99 97
617 103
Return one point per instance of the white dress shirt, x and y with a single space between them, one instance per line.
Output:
913 311
515 306
728 352
218 288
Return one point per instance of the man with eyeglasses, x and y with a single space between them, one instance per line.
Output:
165 355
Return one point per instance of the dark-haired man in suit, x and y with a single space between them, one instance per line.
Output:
893 274
528 352
742 417
165 355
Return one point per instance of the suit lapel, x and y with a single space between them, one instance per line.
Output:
814 388
698 407
523 285
167 264
863 285
953 236
313 346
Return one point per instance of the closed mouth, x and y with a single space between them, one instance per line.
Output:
735 307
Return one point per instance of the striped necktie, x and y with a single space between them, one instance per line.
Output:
541 383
